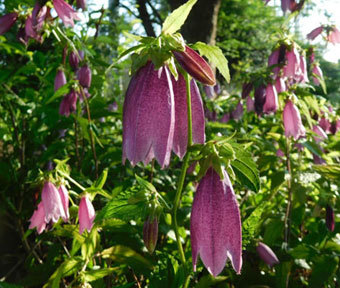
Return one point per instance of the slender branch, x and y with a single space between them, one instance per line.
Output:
155 12
145 17
128 9
102 11
90 130
71 180
76 142
289 186
185 166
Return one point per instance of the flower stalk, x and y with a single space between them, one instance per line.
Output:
290 192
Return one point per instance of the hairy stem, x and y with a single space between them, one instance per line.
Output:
180 185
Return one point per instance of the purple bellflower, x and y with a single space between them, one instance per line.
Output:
86 215
149 116
238 112
84 75
292 121
320 132
315 33
334 36
68 104
38 219
250 104
267 254
325 124
7 21
180 136
246 89
216 224
150 233
317 74
280 85
53 205
59 80
74 60
65 12
64 200
272 102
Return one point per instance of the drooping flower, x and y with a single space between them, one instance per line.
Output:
292 121
292 68
38 219
81 4
195 65
250 104
215 226
180 139
285 5
86 215
334 36
84 76
64 200
68 104
267 254
74 60
150 233
51 200
315 33
280 85
39 14
303 78
330 222
272 101
325 124
149 116
317 74
65 12
59 80
320 132
246 89
237 113
260 99
7 21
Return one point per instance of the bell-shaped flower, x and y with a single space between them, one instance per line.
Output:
195 65
59 80
39 15
86 215
285 5
30 31
53 205
292 121
274 60
180 136
317 74
292 68
149 116
84 75
237 113
150 233
250 104
330 219
334 36
68 104
272 101
325 124
315 33
320 132
64 200
303 78
225 118
280 85
65 12
81 4
215 226
267 254
260 99
74 60
38 219
7 21
246 89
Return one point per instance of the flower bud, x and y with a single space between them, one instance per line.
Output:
84 76
150 233
7 21
238 112
315 33
325 124
68 104
250 104
195 65
86 215
267 254
59 80
74 60
330 222
81 4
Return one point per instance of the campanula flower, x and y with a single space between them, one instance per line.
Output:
65 12
267 254
7 21
150 233
59 80
38 219
292 121
271 104
53 205
86 215
64 200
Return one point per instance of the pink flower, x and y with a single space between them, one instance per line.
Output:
68 104
215 226
285 5
315 33
325 124
86 215
65 12
59 80
225 118
280 85
38 219
64 200
334 36
279 153
38 16
74 60
84 76
250 104
81 4
180 140
317 75
7 21
149 116
52 203
319 131
267 254
292 121
238 112
292 68
303 69
272 101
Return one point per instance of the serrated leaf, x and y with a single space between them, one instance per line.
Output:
94 275
215 57
145 184
177 18
63 90
251 224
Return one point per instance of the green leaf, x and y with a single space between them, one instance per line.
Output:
145 184
63 90
323 269
177 18
94 275
251 224
215 57
101 180
210 281
328 171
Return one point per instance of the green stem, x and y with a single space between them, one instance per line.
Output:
71 180
290 192
182 178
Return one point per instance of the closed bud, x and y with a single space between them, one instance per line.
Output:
195 65
267 254
74 60
84 76
59 80
315 33
68 104
7 21
330 219
238 112
150 233
250 104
